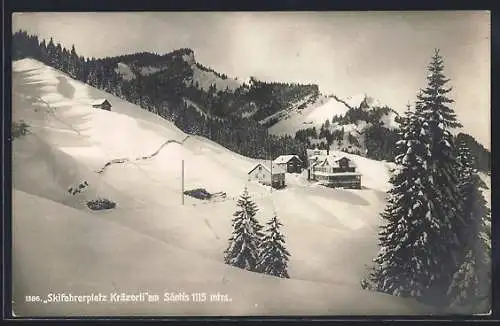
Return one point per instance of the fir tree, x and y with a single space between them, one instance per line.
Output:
274 257
470 283
445 203
243 249
407 257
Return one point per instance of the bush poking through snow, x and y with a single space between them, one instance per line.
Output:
101 204
199 193
19 129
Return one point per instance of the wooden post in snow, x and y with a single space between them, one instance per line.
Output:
271 161
182 182
271 174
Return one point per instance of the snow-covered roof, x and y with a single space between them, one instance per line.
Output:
333 160
285 159
99 101
276 168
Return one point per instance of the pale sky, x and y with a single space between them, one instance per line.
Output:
346 53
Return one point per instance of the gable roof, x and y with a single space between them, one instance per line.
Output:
276 169
333 160
314 163
285 159
100 101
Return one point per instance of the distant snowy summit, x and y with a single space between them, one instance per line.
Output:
350 121
201 76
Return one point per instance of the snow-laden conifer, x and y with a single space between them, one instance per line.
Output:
445 204
243 249
471 282
404 263
274 256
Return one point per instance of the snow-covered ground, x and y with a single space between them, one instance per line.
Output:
125 71
313 115
146 71
294 109
150 242
326 107
389 120
205 79
354 101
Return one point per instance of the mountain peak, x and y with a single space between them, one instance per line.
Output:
189 57
186 54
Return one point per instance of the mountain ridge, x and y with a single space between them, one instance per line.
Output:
252 117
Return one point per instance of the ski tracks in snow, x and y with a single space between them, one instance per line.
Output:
141 158
51 111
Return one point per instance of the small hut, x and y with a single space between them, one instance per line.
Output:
290 163
102 104
266 175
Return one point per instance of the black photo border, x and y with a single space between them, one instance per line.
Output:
10 6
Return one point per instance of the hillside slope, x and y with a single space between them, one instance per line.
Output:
150 242
91 255
358 124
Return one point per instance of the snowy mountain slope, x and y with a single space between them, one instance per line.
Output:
166 246
358 124
42 170
64 103
298 106
148 70
326 111
197 107
91 255
389 120
201 110
355 101
325 108
201 76
205 79
124 71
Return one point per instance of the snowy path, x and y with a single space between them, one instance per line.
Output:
142 158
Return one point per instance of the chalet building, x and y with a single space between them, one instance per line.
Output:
102 104
267 175
333 170
314 154
290 163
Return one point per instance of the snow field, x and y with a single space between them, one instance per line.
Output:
152 243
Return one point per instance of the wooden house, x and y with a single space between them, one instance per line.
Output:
290 163
266 175
102 104
314 153
334 171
